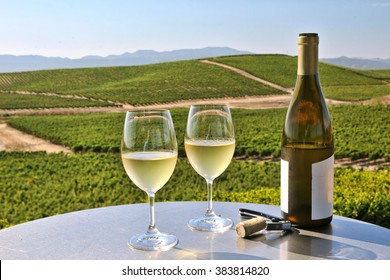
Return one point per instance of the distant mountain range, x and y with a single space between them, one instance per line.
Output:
12 63
359 63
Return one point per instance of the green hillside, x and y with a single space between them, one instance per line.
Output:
183 80
383 75
282 69
156 83
337 82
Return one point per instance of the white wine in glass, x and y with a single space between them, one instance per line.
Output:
149 156
209 143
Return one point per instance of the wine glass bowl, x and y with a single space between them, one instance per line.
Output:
209 144
149 156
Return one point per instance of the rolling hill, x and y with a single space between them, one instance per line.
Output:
192 79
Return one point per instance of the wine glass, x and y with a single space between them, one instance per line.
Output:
209 144
149 156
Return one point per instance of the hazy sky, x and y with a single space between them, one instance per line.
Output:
75 28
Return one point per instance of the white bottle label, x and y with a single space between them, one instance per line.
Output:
321 188
284 185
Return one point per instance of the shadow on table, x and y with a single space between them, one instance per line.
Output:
356 230
301 242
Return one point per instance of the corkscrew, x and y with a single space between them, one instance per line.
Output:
259 221
247 213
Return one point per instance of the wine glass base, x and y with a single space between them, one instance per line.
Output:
210 223
153 242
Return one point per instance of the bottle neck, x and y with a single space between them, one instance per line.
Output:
307 59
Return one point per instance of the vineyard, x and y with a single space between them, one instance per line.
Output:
159 83
337 82
37 185
186 80
268 67
11 100
360 131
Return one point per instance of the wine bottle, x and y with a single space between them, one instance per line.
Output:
307 159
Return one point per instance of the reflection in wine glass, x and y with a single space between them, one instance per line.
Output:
149 155
209 143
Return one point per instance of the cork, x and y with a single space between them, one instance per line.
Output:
251 226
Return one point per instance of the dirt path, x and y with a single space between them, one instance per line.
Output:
248 75
248 102
14 140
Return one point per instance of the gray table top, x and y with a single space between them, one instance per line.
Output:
102 233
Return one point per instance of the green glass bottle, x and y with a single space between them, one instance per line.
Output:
307 160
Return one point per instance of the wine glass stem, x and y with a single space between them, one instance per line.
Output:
152 226
209 197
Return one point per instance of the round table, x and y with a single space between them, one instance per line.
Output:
102 233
